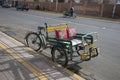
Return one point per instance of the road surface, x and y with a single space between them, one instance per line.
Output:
104 67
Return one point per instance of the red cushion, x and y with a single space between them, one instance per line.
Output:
71 33
61 34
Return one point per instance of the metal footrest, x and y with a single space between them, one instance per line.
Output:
85 56
94 52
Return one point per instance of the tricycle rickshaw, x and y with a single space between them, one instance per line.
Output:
63 42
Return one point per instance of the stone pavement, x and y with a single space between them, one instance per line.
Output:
18 62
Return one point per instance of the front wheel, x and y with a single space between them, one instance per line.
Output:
33 41
59 56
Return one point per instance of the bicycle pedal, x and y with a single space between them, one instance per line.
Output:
85 57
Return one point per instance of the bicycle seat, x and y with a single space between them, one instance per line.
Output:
40 28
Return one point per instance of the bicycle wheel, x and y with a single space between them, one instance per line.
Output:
33 41
59 56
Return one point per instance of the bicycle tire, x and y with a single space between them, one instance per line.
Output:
33 41
61 58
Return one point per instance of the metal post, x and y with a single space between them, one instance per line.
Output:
56 5
114 8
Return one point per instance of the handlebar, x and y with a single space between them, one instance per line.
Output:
93 34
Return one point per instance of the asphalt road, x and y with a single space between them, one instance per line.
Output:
104 67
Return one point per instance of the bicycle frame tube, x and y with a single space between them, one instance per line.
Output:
46 26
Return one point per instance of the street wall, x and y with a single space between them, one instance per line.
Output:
101 10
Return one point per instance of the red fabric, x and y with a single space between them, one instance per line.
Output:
71 33
66 34
61 34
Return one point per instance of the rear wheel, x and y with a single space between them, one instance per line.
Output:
59 56
33 41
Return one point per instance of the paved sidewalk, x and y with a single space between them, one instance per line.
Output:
17 62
